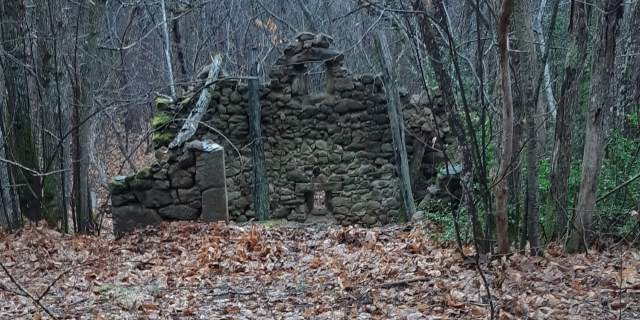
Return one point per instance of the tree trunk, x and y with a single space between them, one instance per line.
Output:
22 148
527 67
260 182
167 50
397 125
54 197
502 187
548 85
9 218
85 83
567 106
629 96
445 83
179 49
602 100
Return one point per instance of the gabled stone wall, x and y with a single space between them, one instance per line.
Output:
328 153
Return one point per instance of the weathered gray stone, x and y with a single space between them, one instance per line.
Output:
373 205
189 195
214 205
359 207
233 195
343 84
321 145
348 105
341 202
297 176
348 156
118 200
154 198
140 184
391 203
179 212
182 179
380 184
387 147
242 202
131 217
186 160
304 187
161 184
369 219
281 212
210 170
161 175
305 148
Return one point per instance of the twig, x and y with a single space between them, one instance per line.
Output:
277 17
44 293
403 282
27 293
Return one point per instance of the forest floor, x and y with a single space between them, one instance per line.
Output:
271 271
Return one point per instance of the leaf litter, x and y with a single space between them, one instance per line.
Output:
290 271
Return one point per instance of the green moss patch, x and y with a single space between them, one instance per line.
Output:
161 139
160 120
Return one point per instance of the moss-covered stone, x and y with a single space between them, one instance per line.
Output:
140 184
119 185
160 120
161 139
144 174
163 103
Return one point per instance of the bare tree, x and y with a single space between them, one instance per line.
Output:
602 101
396 124
502 187
567 107
22 148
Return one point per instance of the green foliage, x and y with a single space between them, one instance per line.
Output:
439 212
619 165
52 213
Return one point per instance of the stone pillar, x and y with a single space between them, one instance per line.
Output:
211 180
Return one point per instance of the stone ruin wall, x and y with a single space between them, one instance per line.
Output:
334 145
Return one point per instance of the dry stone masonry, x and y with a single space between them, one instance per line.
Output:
186 185
328 154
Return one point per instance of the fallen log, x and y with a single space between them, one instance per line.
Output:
190 125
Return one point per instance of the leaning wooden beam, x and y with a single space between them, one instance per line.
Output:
396 121
191 124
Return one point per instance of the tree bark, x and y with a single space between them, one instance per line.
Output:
548 85
9 218
22 148
502 187
445 83
602 100
397 123
260 182
526 69
629 96
167 50
85 82
567 106
54 193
